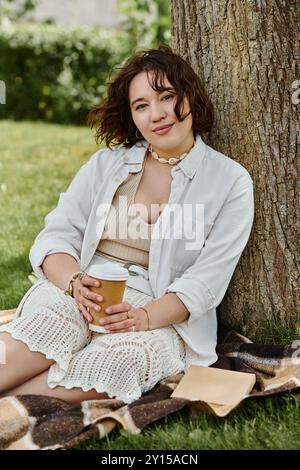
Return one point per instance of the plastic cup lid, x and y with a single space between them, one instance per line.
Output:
108 271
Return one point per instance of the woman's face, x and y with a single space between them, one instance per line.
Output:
154 116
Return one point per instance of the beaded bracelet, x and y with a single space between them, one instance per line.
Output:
78 275
147 313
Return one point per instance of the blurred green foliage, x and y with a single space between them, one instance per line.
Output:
14 10
146 22
56 74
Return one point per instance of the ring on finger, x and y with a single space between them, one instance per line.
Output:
129 315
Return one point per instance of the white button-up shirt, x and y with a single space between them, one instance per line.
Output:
199 273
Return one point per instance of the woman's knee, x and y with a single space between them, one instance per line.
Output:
16 351
19 362
10 346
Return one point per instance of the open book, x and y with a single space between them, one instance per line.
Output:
215 390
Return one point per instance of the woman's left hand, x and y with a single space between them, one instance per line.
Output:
124 318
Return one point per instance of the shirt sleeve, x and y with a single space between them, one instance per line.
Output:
203 285
65 225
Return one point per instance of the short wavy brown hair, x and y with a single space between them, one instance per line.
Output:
112 119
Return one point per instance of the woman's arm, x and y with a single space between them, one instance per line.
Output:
174 311
65 225
59 267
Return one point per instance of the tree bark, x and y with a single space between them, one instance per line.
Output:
247 54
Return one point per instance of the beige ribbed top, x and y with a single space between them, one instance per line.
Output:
115 243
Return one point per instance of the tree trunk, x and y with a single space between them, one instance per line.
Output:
247 54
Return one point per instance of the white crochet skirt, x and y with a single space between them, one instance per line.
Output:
124 365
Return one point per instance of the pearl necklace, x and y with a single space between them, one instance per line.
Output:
171 161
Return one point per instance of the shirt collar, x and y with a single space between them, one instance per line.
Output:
135 155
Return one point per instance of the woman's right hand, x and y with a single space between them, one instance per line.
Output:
84 297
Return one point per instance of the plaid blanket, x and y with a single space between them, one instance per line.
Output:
40 422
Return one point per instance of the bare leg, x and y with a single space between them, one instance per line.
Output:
38 386
20 363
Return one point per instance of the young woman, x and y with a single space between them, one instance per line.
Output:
186 211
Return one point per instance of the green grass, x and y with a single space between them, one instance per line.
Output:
37 162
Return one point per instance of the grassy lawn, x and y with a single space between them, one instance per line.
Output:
37 162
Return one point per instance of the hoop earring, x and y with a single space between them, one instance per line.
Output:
137 136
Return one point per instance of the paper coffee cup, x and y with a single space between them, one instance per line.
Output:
113 279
